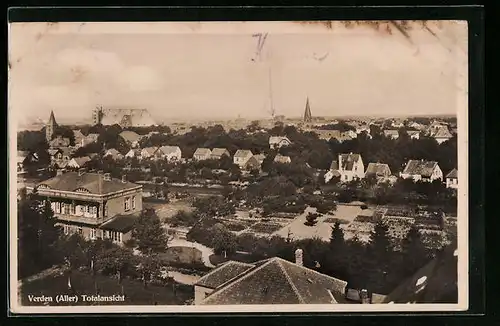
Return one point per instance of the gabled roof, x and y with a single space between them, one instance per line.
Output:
80 161
53 151
252 162
442 132
78 134
168 149
218 152
223 274
278 139
120 223
202 151
66 150
412 132
149 150
423 168
378 169
348 160
278 281
453 174
93 182
130 136
243 153
113 152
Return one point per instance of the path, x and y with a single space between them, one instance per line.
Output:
183 278
205 251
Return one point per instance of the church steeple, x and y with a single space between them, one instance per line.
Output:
307 113
51 126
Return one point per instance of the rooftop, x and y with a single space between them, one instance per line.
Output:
242 153
120 223
223 274
94 183
377 168
453 174
278 281
422 167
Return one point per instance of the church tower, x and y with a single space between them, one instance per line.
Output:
307 113
51 126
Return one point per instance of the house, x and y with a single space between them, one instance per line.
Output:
91 138
24 158
391 133
416 125
413 134
420 170
218 153
62 154
169 153
363 128
327 134
202 154
113 153
130 137
452 179
251 164
59 142
276 142
349 166
148 152
79 138
435 282
333 172
134 152
378 170
78 162
85 202
442 134
269 281
242 156
52 153
282 159
349 134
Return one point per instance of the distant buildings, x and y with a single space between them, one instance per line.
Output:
122 117
378 170
282 159
219 153
452 179
169 153
442 134
391 133
420 170
202 154
276 142
131 138
148 152
307 112
241 157
93 205
413 134
270 281
78 162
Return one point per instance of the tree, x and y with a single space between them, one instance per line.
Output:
413 250
253 126
38 235
149 267
149 234
380 242
115 261
337 237
223 240
311 219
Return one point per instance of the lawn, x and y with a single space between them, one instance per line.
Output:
167 210
265 227
83 283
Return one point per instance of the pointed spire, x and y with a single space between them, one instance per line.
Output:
52 119
307 113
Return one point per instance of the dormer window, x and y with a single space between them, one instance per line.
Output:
43 187
82 190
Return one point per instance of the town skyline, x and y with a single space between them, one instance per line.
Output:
72 71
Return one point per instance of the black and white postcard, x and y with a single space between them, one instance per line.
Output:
195 167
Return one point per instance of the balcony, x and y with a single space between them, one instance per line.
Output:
80 219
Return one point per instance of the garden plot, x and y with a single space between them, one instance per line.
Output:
167 210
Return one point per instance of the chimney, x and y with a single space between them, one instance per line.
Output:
124 178
81 171
299 257
363 294
107 177
59 172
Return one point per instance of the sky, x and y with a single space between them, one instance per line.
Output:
212 70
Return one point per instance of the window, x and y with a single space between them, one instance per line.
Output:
82 209
79 231
93 233
133 202
58 207
66 229
88 209
127 204
105 210
73 209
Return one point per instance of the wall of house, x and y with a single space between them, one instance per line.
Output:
116 206
437 174
452 183
200 293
